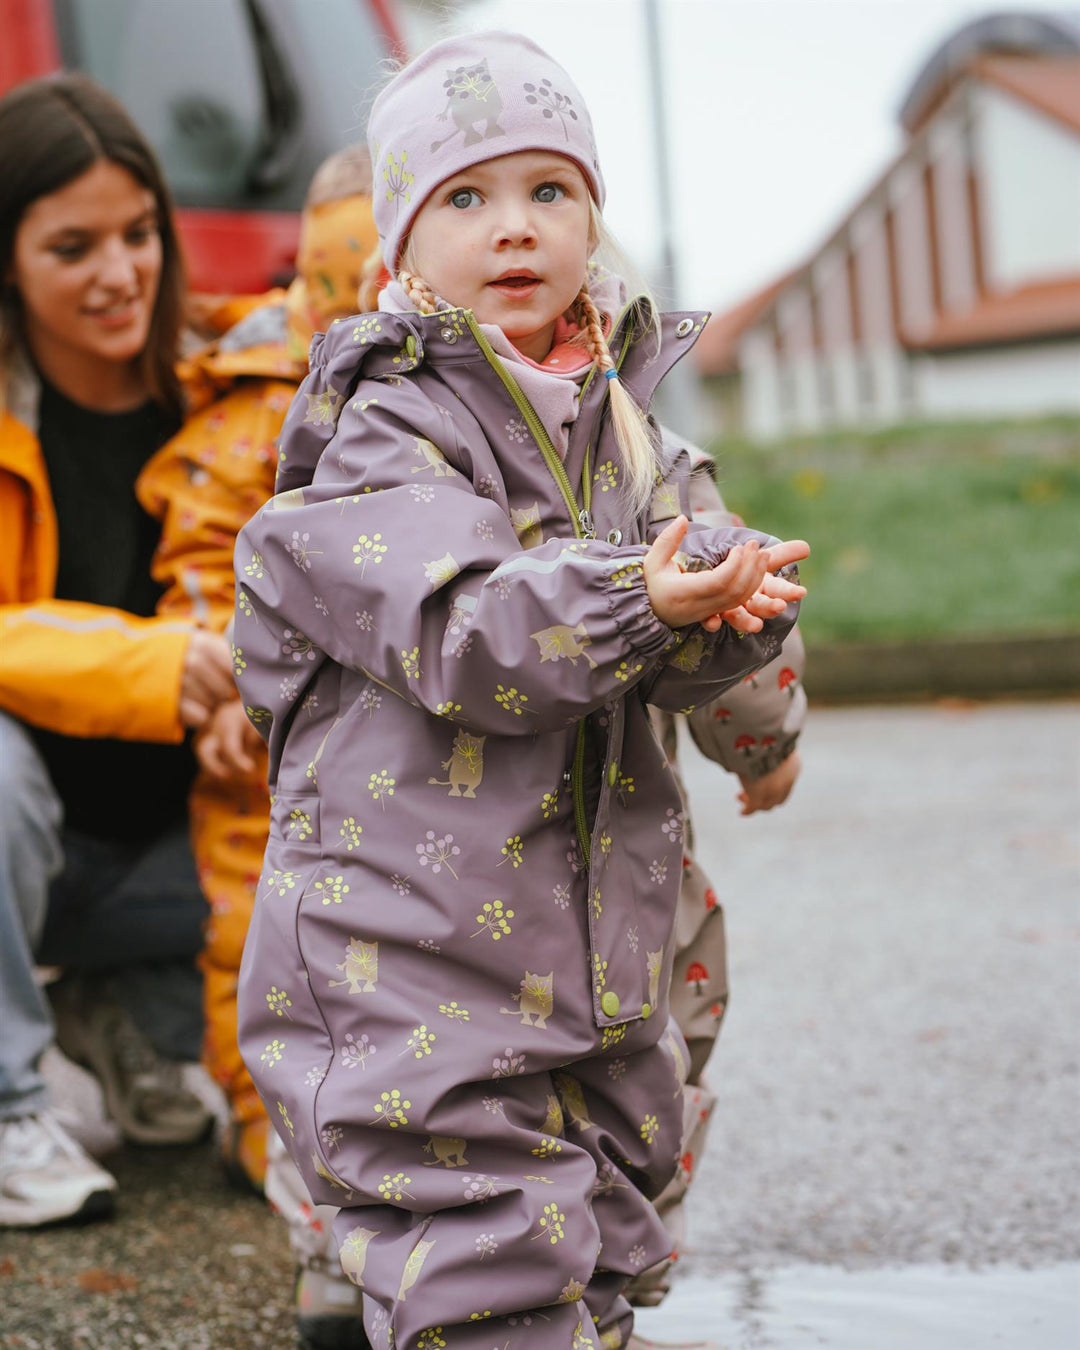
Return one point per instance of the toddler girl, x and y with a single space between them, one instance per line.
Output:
449 622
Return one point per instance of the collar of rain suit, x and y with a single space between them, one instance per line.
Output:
452 347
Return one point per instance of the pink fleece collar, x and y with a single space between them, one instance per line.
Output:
566 356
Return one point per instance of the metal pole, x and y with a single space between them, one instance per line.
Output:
679 397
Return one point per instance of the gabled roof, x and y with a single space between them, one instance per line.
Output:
1016 33
1049 83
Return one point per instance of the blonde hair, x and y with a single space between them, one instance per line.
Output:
633 433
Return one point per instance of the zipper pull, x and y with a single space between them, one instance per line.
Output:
584 520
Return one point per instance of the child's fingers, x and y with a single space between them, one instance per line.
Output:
666 544
791 550
740 618
779 588
764 606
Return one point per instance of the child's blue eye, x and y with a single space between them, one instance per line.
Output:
549 192
463 198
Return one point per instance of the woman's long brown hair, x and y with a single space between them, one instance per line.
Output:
52 130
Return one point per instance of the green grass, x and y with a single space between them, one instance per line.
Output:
924 531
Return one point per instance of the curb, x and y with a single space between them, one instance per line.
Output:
1019 667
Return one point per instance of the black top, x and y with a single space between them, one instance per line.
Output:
111 789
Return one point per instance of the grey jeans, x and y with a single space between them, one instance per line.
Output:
134 912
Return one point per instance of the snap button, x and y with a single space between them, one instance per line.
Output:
684 328
612 773
448 335
610 1004
615 537
646 1010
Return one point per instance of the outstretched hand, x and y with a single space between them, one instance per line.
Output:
772 788
742 590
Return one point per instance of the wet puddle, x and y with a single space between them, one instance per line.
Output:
922 1307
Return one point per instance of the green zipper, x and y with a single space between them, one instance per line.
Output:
580 519
539 434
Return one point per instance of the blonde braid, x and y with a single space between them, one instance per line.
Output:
628 421
418 291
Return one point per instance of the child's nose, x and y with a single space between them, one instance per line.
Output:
516 228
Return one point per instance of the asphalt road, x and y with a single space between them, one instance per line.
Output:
899 1073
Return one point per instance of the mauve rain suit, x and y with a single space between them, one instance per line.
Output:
453 993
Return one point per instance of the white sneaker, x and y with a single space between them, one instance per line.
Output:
45 1177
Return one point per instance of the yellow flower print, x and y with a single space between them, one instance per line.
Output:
510 700
333 890
274 1052
512 851
394 1187
611 1036
351 832
606 476
381 785
494 919
279 1001
420 1042
369 550
551 1224
390 1109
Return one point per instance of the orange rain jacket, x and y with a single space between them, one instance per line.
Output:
70 667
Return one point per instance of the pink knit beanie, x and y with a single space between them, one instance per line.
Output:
466 99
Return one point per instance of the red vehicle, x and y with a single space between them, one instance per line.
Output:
241 99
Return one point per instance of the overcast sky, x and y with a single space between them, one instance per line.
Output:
779 114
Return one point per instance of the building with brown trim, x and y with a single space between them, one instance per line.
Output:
951 289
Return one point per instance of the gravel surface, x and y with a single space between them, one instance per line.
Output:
898 1072
898 1075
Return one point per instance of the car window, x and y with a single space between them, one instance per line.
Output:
241 99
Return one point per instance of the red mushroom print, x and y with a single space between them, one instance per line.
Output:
787 680
711 902
767 742
751 679
722 715
696 975
686 1162
717 1011
745 743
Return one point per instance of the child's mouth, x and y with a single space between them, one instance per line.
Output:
516 283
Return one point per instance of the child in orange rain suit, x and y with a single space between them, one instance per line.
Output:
203 485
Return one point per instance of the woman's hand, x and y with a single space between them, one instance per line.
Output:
207 676
741 590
